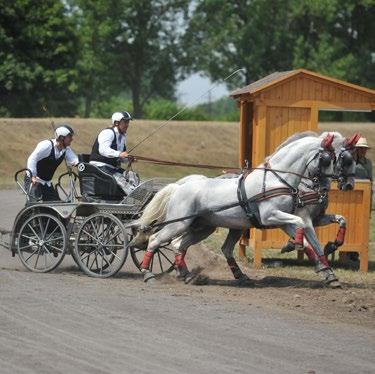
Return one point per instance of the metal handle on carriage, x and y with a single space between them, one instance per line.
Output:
19 184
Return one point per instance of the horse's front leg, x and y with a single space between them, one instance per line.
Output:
279 218
322 266
327 219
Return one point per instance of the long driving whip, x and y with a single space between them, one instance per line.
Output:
212 87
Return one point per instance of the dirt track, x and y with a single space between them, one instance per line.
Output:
65 322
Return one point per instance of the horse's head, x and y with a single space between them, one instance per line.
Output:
320 168
345 164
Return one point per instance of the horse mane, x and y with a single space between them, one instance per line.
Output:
293 138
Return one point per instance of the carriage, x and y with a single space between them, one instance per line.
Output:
90 226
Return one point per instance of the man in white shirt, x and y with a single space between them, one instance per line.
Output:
109 150
44 161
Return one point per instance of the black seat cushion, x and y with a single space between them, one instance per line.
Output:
96 183
84 157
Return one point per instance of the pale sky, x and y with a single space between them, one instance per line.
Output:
193 90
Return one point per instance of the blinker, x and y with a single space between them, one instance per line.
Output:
325 159
346 158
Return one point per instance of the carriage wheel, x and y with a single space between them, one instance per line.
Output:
162 262
101 245
41 242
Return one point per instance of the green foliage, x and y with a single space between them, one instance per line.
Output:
97 82
128 46
224 36
104 108
166 109
38 53
224 109
93 54
336 38
333 37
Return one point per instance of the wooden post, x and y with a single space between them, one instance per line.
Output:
246 116
363 255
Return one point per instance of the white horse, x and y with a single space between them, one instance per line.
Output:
191 211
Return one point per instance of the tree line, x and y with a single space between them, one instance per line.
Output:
87 57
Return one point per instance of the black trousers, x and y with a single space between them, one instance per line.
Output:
43 192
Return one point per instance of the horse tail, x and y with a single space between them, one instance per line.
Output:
156 210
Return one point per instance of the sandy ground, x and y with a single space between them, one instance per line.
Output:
66 322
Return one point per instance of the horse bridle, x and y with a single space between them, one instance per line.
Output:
345 159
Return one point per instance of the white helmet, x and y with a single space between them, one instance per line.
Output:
118 116
63 130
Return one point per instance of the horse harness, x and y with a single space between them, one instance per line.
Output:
300 198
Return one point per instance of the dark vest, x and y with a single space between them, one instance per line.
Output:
46 167
96 156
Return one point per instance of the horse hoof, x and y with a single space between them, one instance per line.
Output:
149 278
289 247
335 284
190 277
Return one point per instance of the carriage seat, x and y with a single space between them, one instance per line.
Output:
95 183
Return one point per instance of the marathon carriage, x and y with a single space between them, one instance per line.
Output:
91 226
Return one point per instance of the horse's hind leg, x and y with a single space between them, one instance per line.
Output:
181 245
228 246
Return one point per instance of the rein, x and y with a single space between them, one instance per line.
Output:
212 167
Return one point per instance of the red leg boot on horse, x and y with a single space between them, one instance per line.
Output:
148 276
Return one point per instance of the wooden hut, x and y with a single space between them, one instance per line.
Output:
282 103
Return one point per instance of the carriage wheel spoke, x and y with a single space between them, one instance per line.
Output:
167 248
37 259
46 228
56 248
107 231
109 264
27 237
32 229
26 246
27 259
96 232
138 250
103 228
160 264
87 244
95 259
114 236
87 233
54 239
101 268
152 263
85 255
115 255
41 226
172 263
49 236
88 259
